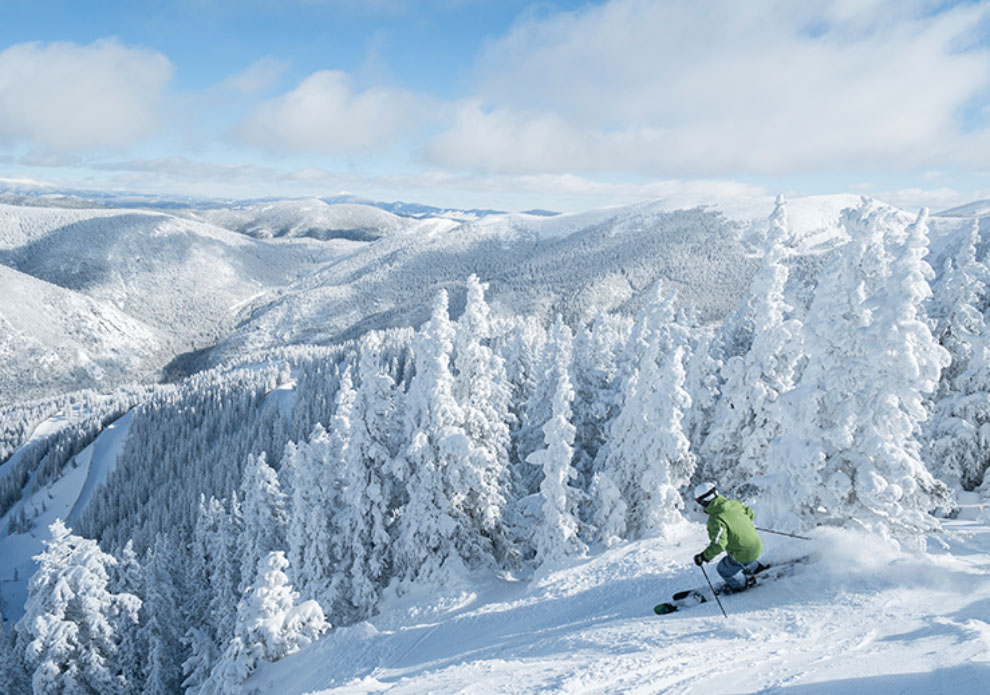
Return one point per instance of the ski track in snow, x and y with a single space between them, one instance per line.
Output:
866 619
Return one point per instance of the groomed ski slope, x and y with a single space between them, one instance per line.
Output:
870 618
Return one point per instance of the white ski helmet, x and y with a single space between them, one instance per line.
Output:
705 493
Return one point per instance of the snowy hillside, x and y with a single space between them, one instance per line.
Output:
978 208
51 337
307 218
576 265
156 285
867 618
460 457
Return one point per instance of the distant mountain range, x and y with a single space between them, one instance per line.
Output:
71 198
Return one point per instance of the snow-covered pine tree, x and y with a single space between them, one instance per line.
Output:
954 307
297 492
703 386
596 389
648 455
745 418
959 430
329 456
308 545
850 451
481 390
523 348
201 642
270 625
367 492
264 516
556 534
164 621
128 577
13 676
73 623
225 566
434 534
317 481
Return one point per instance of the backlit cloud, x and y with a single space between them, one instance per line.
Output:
703 88
65 97
324 114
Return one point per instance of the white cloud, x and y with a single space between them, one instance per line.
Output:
66 97
325 115
257 77
718 87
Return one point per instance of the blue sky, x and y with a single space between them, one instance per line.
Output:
500 103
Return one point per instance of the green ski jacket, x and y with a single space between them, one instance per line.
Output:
730 528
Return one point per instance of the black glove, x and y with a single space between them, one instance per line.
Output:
700 559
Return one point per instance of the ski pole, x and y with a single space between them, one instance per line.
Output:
782 533
717 599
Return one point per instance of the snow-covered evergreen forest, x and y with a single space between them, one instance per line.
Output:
283 493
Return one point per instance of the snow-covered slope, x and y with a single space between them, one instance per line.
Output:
575 265
868 618
307 218
978 208
51 337
127 291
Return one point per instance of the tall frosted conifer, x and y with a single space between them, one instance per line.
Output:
163 630
556 534
434 533
851 452
73 624
648 456
959 431
481 390
264 515
367 489
746 418
270 625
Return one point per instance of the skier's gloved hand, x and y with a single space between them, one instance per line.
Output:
699 559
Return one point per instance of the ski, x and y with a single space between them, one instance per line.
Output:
769 572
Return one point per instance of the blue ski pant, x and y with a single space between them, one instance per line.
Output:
730 571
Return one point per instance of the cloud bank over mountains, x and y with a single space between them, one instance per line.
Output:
623 91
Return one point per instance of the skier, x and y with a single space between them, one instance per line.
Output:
730 528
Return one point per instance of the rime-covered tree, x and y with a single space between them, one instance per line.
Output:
648 455
481 390
298 493
362 531
73 623
596 388
316 496
128 577
954 307
270 625
524 349
746 419
851 451
556 534
164 622
200 642
959 430
434 529
225 565
264 515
